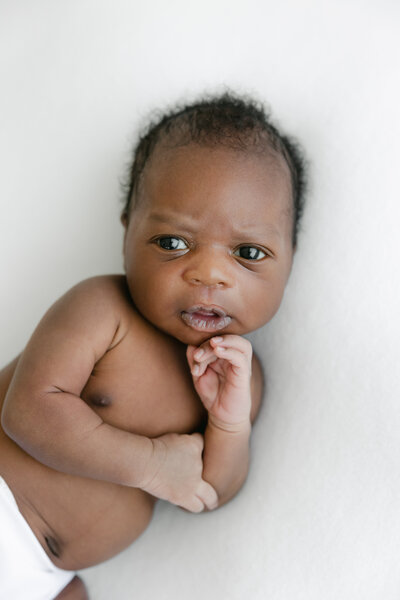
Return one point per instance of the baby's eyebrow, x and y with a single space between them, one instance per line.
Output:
191 224
175 219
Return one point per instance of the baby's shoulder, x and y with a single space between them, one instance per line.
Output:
109 289
103 300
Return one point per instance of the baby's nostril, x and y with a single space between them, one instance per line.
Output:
206 282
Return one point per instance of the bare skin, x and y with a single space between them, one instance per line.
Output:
112 392
75 590
111 516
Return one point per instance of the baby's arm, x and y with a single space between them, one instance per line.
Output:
229 382
44 414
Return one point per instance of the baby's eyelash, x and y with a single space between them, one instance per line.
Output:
250 253
171 242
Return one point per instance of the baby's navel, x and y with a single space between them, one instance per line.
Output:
100 400
53 546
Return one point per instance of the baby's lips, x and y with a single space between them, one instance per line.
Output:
207 323
208 310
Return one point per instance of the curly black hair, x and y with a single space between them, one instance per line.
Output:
229 120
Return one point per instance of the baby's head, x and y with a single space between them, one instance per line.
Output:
212 211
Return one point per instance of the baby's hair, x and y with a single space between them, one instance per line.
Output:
228 120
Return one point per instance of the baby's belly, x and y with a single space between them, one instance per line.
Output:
89 521
79 522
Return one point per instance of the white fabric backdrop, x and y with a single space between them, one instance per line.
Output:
319 516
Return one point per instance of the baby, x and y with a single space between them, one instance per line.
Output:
140 386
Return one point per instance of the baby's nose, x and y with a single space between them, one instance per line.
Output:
209 268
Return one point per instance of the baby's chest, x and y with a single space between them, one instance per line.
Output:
145 388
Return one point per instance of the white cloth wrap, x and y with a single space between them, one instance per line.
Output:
26 572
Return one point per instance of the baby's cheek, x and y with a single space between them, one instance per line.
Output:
263 309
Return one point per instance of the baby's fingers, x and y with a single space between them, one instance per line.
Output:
239 362
200 358
235 342
207 496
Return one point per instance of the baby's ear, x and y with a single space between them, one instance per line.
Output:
124 219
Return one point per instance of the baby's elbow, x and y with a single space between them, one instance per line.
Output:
6 418
15 420
9 422
223 500
230 494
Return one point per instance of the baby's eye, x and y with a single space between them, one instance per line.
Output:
171 243
250 253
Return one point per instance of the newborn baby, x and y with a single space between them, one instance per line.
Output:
140 386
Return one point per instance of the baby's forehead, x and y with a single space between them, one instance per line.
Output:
202 179
169 161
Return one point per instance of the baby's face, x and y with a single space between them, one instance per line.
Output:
208 249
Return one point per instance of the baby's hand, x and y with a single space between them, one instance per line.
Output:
174 472
221 371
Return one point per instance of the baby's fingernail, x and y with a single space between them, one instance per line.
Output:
195 370
199 353
217 339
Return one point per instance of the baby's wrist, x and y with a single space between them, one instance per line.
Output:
242 427
153 458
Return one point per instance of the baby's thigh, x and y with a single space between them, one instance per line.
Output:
75 590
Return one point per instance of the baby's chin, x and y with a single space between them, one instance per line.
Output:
190 340
189 336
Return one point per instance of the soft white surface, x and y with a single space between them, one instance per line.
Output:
320 514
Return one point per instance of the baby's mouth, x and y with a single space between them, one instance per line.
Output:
206 318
